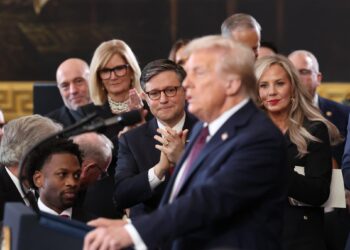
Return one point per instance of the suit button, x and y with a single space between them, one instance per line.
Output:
305 217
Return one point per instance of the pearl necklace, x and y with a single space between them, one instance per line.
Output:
118 107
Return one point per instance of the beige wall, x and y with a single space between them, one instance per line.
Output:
16 98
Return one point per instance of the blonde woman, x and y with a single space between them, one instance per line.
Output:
114 84
309 138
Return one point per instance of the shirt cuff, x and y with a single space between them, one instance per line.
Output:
136 238
153 179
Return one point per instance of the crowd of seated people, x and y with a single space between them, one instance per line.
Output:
235 149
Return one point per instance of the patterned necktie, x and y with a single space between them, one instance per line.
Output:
196 149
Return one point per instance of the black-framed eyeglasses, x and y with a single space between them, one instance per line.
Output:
169 92
119 71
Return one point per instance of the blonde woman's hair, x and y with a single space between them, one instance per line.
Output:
301 105
102 55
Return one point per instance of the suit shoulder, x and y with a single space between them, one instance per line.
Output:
55 113
335 105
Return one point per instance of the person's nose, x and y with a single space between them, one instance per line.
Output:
73 89
72 181
186 82
163 98
272 90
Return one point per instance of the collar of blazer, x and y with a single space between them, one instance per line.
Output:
223 135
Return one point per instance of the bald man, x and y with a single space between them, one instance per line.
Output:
243 28
307 65
72 81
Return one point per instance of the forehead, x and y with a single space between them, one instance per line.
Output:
162 80
202 58
115 60
301 61
274 71
71 70
66 161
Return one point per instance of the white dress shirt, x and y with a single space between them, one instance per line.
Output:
46 209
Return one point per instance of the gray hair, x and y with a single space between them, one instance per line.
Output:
21 134
239 21
96 147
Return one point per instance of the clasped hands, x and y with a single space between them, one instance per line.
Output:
171 146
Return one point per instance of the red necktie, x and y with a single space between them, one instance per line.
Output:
196 149
64 216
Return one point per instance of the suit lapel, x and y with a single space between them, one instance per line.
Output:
224 134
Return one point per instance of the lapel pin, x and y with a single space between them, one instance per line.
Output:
328 113
224 136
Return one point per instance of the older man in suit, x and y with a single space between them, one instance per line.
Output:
307 65
19 135
229 187
72 81
143 170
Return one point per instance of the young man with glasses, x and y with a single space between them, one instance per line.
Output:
147 154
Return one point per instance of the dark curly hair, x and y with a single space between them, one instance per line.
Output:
42 153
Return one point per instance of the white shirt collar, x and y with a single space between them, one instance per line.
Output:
18 186
48 210
178 126
215 125
316 100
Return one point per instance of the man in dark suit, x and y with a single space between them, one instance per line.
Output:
229 187
20 134
54 169
72 81
96 186
307 65
143 170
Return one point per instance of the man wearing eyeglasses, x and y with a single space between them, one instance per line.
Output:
72 81
307 65
148 153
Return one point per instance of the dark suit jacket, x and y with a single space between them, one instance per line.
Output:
8 191
137 154
303 226
337 114
97 199
234 195
82 215
64 116
346 160
104 111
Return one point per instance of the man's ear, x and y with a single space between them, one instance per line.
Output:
38 179
233 85
319 78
